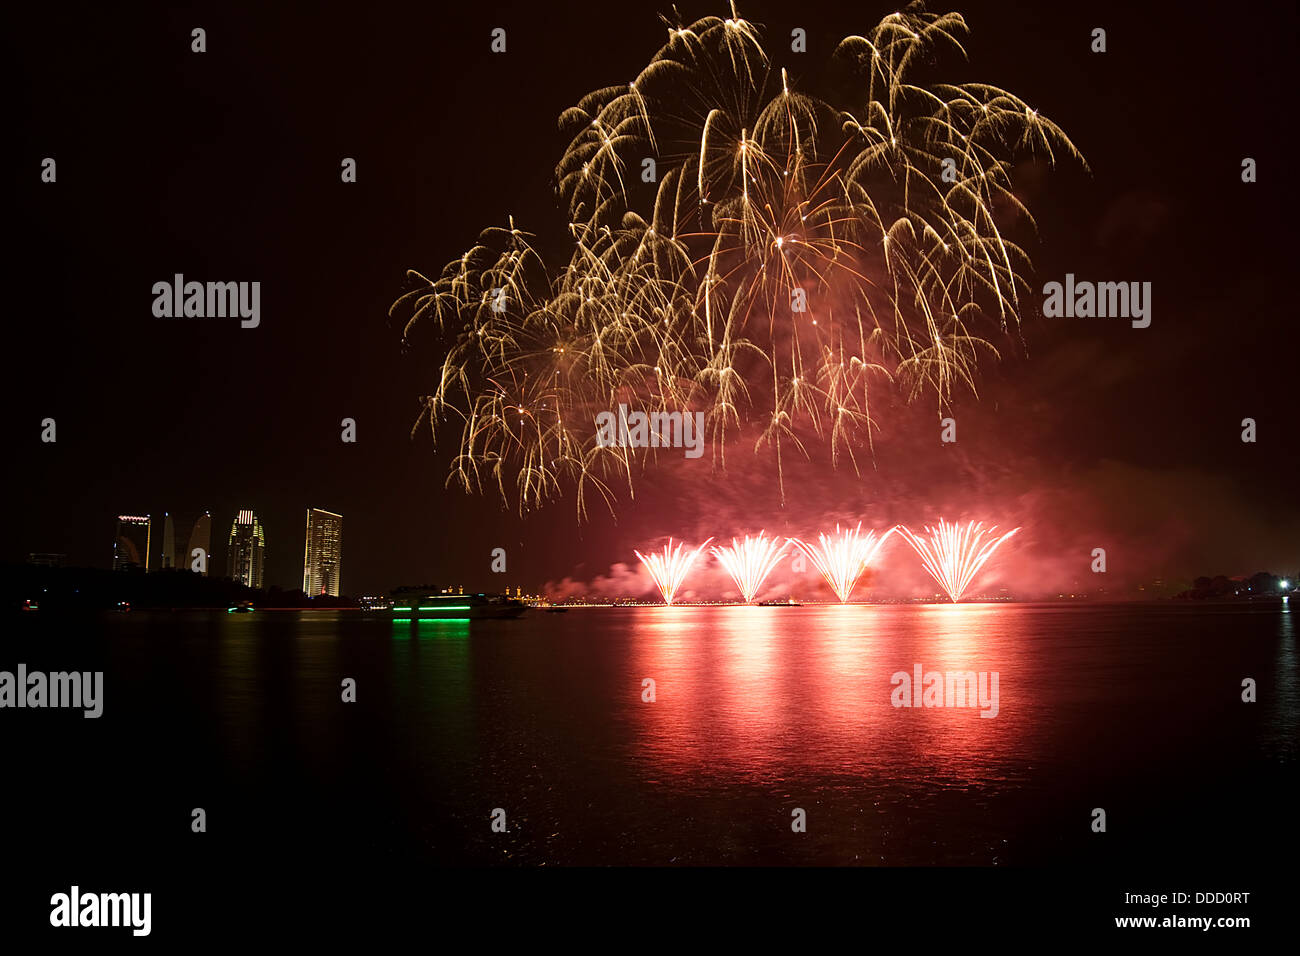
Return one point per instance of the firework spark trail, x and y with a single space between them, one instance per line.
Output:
669 570
953 555
843 557
749 562
886 210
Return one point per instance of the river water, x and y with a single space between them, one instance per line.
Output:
758 713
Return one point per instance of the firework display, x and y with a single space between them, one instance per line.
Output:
843 557
669 569
749 562
400 397
953 554
740 247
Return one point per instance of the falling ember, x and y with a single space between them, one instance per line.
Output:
953 555
843 557
669 570
749 562
815 227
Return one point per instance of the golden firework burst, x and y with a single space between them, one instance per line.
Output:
738 247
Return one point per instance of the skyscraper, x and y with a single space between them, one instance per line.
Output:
201 539
131 546
247 549
322 557
182 534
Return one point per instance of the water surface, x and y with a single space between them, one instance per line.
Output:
758 711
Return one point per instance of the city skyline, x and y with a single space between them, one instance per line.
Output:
244 559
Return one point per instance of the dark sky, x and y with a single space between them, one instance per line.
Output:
225 166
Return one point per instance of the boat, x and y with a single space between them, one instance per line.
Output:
787 603
122 607
30 605
553 609
420 606
243 607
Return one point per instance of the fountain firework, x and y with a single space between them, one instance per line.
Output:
669 570
843 557
953 555
749 562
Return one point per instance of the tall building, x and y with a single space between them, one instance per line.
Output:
200 538
246 554
182 534
131 546
322 560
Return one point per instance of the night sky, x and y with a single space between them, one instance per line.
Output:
225 167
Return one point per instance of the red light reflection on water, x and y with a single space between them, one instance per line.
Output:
760 693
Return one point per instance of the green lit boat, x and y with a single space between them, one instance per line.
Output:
412 606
